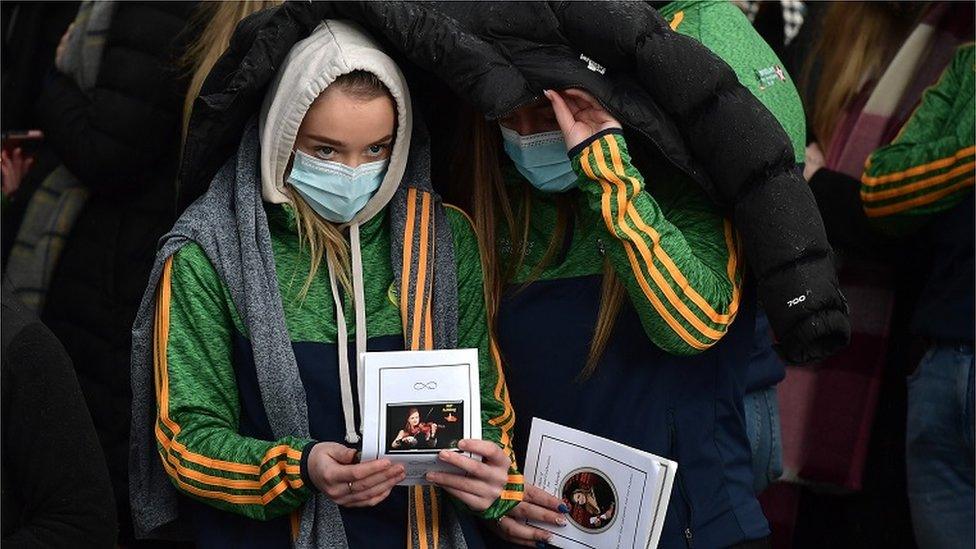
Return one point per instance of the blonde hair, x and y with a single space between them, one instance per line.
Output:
323 238
490 200
856 43
218 21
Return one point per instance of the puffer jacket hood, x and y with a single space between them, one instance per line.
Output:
334 48
679 102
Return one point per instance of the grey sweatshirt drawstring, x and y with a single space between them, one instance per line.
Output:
345 384
342 337
359 294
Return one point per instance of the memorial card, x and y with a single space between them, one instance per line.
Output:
418 403
617 495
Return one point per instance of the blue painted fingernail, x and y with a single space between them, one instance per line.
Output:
563 508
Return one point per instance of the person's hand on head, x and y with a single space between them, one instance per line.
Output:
536 505
334 471
579 115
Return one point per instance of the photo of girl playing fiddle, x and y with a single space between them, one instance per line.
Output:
415 428
591 500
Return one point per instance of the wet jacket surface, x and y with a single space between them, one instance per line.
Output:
686 105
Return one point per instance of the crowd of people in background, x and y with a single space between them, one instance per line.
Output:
189 272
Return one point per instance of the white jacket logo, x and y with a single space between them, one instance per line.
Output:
796 300
592 65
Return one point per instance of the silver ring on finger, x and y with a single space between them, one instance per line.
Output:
350 487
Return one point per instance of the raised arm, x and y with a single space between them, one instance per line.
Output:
680 268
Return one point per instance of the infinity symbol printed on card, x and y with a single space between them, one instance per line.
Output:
419 386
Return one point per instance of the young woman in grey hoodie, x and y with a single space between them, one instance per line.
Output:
242 336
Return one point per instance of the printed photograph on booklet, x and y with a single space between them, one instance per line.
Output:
417 404
424 427
591 499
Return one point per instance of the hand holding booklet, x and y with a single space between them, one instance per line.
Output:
617 495
418 403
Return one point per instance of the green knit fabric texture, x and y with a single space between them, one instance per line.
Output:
235 473
673 251
928 168
722 27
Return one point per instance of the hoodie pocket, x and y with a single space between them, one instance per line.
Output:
680 481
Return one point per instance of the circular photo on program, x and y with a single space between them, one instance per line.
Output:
591 498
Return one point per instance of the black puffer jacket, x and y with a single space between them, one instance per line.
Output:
122 142
685 102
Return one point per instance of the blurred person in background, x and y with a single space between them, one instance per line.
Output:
113 120
911 210
922 184
30 35
45 503
777 21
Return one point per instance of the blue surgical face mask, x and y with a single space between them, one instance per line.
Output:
541 158
335 191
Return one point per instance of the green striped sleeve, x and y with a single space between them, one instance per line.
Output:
198 404
930 166
680 266
497 416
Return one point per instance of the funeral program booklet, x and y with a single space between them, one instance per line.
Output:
418 403
617 495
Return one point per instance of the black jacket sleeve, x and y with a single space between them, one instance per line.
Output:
848 229
55 473
748 160
119 131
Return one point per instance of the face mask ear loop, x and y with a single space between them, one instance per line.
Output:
359 304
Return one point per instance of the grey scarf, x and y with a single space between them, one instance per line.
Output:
230 225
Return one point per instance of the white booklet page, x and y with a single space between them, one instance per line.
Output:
617 495
418 403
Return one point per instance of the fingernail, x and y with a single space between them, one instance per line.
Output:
563 508
561 521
